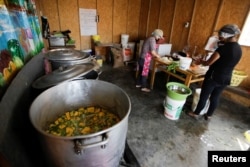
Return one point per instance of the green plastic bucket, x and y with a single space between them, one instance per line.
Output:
177 94
178 91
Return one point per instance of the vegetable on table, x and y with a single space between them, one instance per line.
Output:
172 66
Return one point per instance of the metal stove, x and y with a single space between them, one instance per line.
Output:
129 159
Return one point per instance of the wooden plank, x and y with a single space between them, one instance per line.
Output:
218 14
172 27
143 19
119 19
202 23
104 10
134 7
67 18
166 17
51 12
232 11
154 13
244 101
244 65
183 13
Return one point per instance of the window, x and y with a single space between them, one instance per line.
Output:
245 34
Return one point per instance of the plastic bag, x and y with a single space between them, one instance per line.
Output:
196 100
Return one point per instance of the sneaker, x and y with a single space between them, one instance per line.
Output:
137 86
145 89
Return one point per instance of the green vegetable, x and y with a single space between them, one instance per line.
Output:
172 66
82 121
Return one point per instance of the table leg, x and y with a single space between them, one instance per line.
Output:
168 76
200 83
188 79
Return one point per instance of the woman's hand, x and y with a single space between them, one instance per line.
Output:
157 56
214 57
198 61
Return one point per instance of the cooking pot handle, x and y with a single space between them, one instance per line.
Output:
79 147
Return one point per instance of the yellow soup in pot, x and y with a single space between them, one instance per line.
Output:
82 122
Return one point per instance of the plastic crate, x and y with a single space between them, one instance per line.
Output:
237 77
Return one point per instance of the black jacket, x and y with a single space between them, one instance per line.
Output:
221 70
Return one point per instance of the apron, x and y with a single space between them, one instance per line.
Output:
146 64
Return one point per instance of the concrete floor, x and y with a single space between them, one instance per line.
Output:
157 141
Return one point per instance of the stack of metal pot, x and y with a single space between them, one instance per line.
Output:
66 88
67 57
66 65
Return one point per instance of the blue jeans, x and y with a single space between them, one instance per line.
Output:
141 80
210 90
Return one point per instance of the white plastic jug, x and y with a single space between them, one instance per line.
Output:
124 40
185 62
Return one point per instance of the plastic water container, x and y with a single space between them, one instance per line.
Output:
124 40
173 108
185 63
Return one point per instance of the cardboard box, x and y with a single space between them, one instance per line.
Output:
102 51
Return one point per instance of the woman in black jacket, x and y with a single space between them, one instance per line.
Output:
221 65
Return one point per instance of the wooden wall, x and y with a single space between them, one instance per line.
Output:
139 18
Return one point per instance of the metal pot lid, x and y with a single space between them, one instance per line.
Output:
65 54
62 74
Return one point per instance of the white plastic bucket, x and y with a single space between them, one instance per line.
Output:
177 94
124 40
196 100
185 63
173 108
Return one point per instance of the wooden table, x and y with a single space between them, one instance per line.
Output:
187 76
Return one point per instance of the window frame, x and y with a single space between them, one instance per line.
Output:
244 38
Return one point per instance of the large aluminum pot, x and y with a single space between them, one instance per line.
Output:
62 74
63 57
101 149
